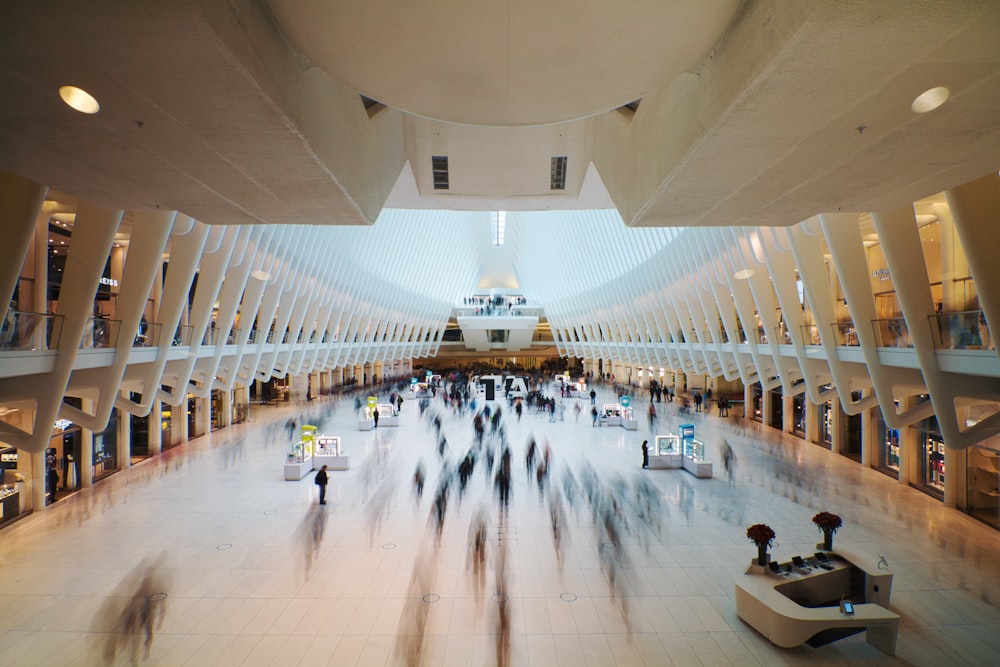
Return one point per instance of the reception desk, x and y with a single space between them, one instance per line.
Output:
803 605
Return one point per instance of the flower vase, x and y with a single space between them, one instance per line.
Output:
827 539
762 557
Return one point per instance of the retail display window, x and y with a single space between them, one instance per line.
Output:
932 459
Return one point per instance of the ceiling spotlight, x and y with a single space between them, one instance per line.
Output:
260 275
79 99
743 274
930 99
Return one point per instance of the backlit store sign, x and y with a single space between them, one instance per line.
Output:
110 282
63 424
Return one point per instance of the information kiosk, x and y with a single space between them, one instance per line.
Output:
819 599
693 453
387 415
367 421
628 420
298 461
666 453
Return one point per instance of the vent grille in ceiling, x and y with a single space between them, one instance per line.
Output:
439 167
558 178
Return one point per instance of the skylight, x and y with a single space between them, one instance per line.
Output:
499 219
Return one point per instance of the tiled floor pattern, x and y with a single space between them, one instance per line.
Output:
246 587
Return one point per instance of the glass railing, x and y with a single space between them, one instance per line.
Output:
234 336
22 330
211 336
892 332
183 336
148 335
810 334
100 333
963 330
846 334
782 336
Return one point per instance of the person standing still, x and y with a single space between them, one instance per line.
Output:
375 417
321 480
645 453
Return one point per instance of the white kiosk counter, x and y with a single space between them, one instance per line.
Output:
328 453
387 415
298 463
803 605
666 454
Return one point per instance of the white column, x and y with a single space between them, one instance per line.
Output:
37 477
839 444
21 202
155 429
124 442
87 451
788 414
180 422
812 421
766 399
909 448
870 440
227 408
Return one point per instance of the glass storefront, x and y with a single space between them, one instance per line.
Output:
774 419
240 406
852 432
139 434
105 450
757 402
63 455
218 410
167 422
983 500
931 452
825 425
887 446
799 415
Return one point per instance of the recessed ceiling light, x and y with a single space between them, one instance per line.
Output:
743 274
930 99
79 99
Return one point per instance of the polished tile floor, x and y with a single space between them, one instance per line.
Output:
245 568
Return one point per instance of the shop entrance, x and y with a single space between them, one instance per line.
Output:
63 455
777 408
931 452
139 427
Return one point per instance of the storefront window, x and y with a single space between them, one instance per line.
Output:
983 499
217 410
826 425
777 405
799 415
240 406
887 446
63 457
931 458
167 423
757 406
106 449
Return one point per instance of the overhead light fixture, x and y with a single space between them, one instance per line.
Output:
743 274
930 99
79 99
261 275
